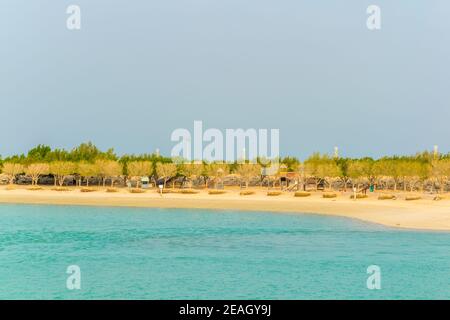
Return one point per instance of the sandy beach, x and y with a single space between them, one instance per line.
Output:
425 214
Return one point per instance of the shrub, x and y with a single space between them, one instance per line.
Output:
359 196
87 190
61 189
387 197
412 198
136 190
273 193
302 194
216 192
246 193
34 188
165 191
329 195
188 191
10 187
111 190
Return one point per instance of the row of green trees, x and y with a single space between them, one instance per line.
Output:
102 170
409 172
87 162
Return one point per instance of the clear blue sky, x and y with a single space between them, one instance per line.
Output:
139 69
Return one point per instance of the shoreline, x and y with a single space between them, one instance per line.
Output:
424 214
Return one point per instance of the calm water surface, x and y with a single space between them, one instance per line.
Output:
132 253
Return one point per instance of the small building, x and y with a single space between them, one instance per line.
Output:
145 182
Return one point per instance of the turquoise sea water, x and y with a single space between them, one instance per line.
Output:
130 253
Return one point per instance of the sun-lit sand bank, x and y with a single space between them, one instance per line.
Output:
419 214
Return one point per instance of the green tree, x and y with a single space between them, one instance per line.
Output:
11 170
85 170
85 152
39 153
112 169
322 168
138 169
216 171
248 171
166 171
291 163
343 164
356 172
191 171
35 170
441 172
61 170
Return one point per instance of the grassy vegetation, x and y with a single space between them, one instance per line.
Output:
188 191
387 197
302 194
412 198
34 188
215 192
60 189
359 196
136 190
329 195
